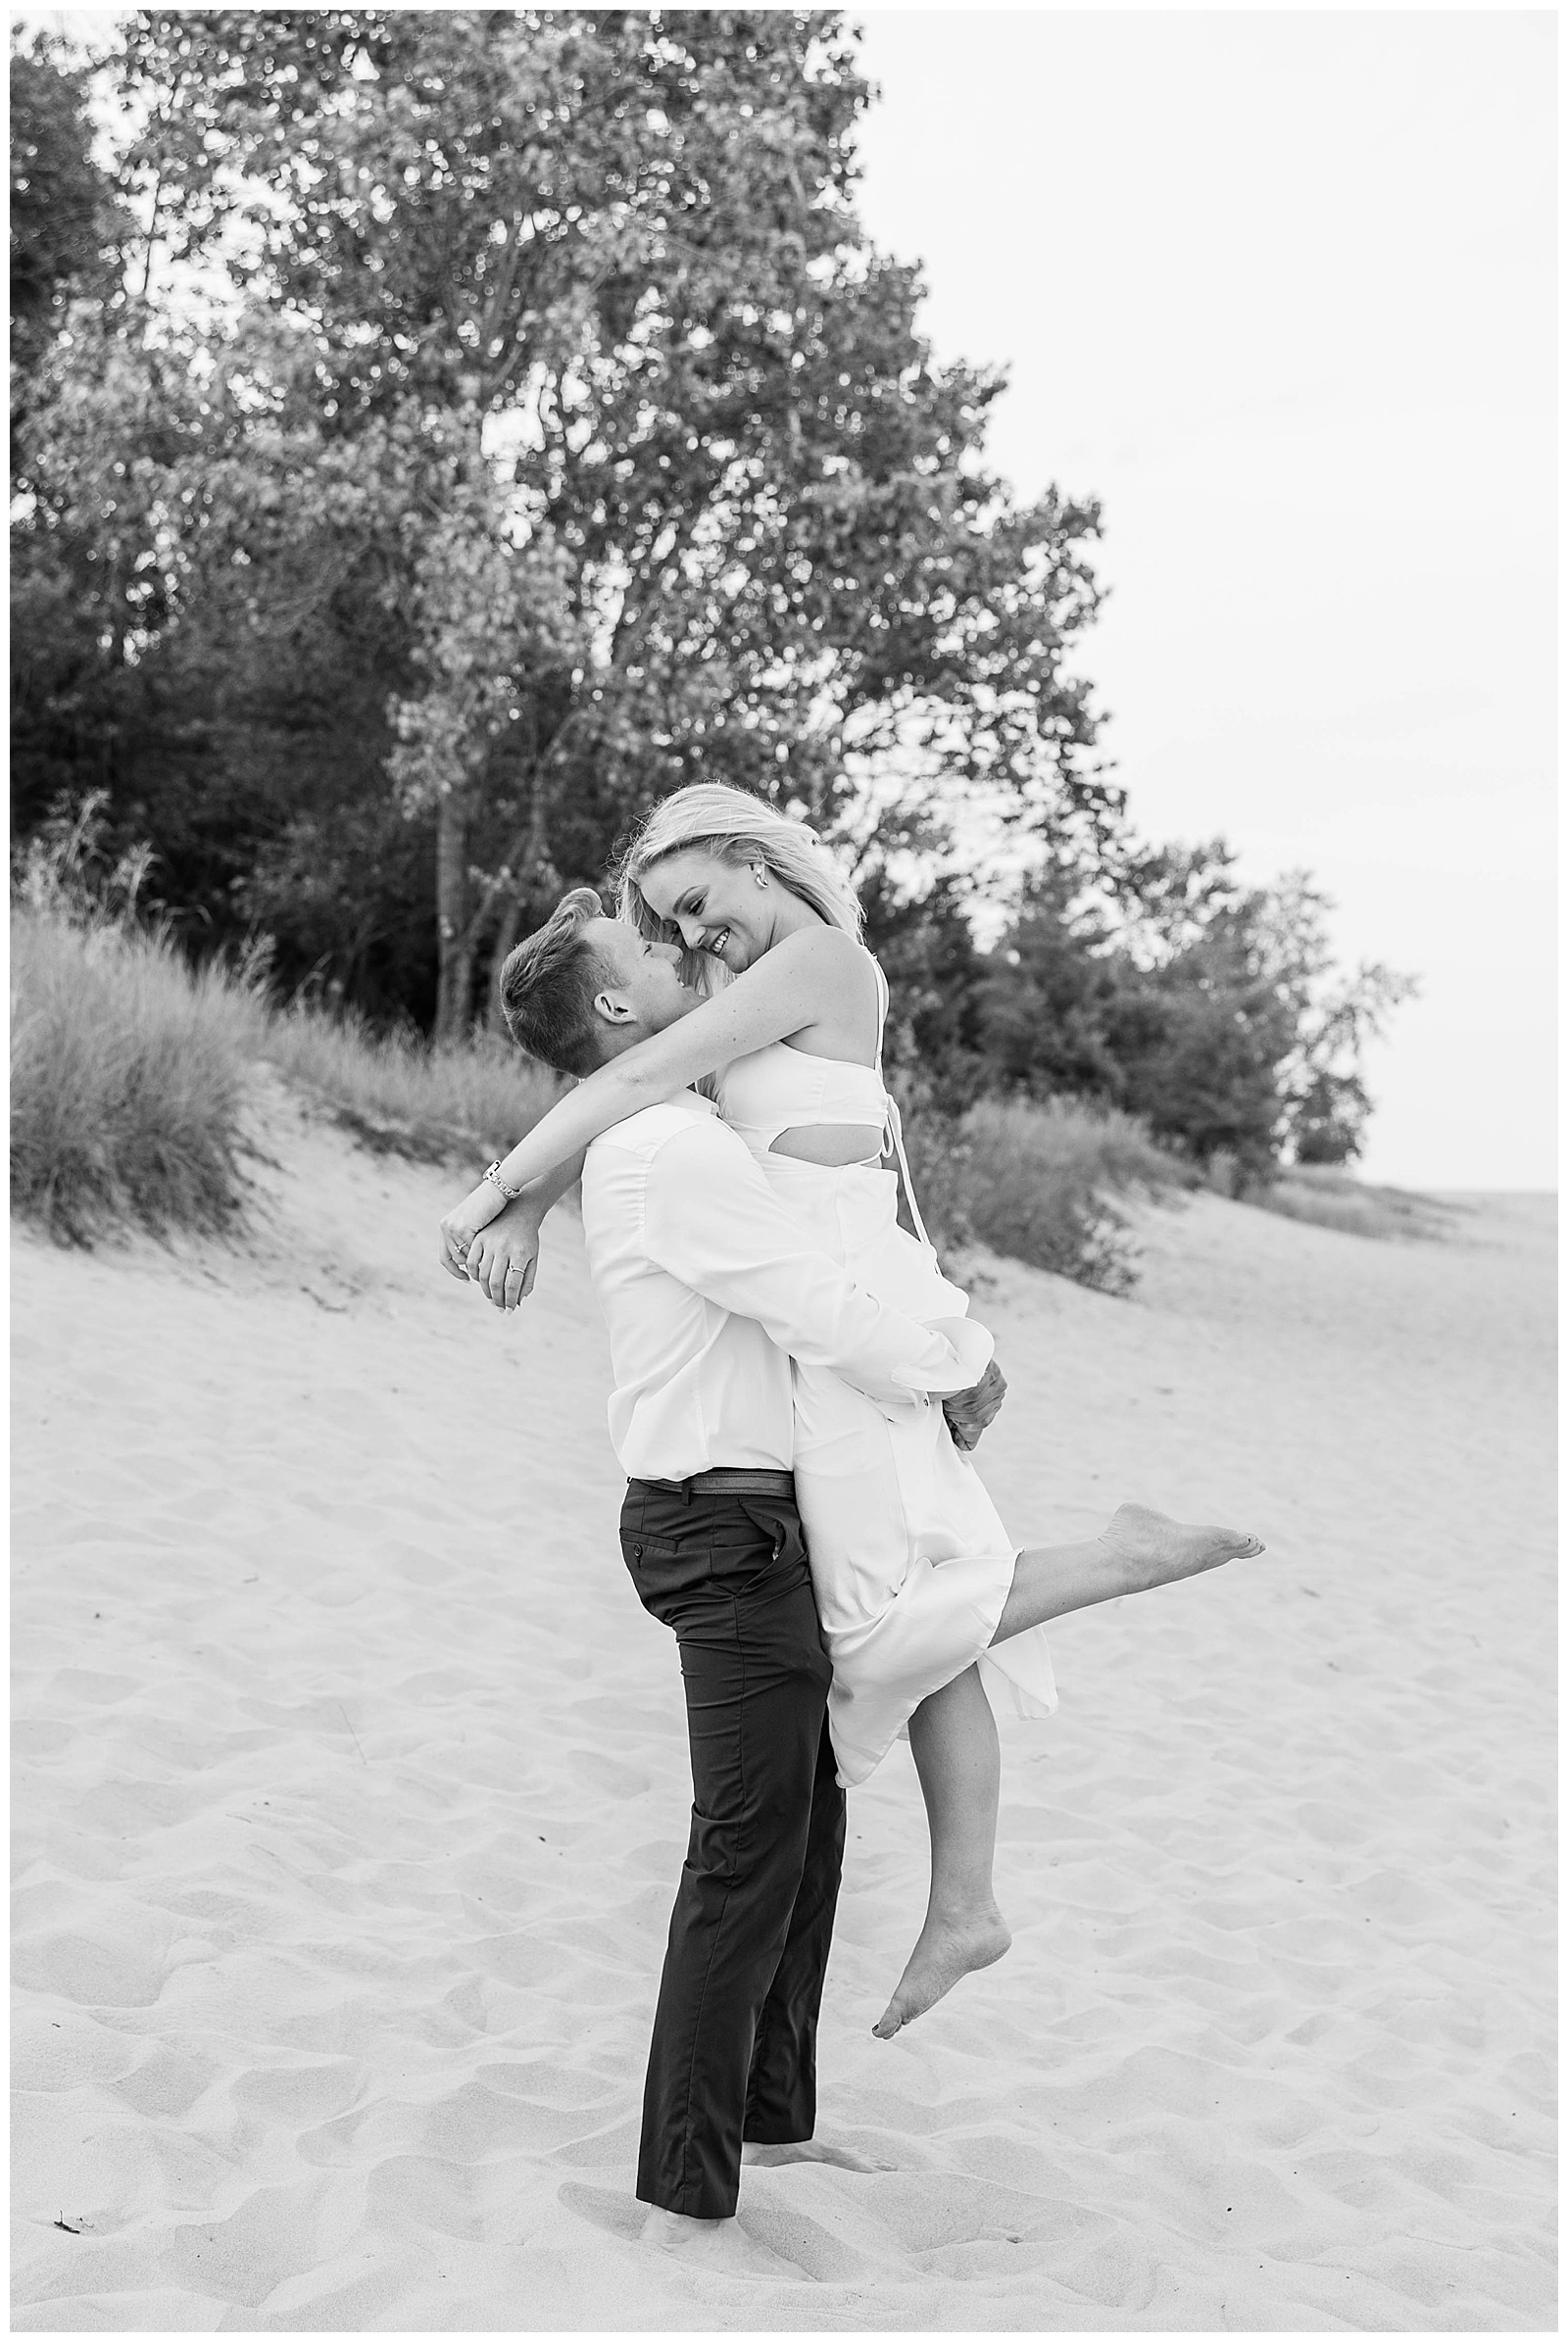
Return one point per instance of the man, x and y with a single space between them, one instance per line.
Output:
710 1287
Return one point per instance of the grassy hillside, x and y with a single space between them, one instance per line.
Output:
131 1072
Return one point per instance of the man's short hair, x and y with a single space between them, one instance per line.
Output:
548 984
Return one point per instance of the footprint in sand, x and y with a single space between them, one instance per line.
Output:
618 2214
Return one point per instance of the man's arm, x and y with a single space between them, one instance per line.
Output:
712 1221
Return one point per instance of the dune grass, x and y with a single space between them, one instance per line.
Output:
399 1095
1330 1197
128 1081
130 1071
1037 1182
1045 1177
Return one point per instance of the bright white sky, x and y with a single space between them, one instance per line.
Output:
1279 289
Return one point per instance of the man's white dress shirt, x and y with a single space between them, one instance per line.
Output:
709 1286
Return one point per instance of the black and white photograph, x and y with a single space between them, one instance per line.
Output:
783 1176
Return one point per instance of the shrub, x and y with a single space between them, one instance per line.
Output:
1035 1182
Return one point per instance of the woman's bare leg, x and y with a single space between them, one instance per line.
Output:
954 1739
952 1735
1139 1550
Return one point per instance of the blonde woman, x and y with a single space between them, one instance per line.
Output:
929 1611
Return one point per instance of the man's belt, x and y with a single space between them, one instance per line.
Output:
732 1483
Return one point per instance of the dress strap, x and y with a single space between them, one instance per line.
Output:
896 1126
894 1134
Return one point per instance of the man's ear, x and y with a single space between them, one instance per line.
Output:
615 1008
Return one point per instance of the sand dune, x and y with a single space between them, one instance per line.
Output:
350 1784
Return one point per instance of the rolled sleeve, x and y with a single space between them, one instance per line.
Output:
970 1351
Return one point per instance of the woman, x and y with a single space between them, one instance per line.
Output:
927 1607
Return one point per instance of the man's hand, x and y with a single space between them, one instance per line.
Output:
504 1258
969 1412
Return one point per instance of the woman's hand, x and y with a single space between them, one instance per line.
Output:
464 1224
502 1258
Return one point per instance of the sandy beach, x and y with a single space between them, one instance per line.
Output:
350 1784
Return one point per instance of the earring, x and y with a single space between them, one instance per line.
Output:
759 874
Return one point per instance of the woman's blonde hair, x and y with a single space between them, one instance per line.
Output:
711 818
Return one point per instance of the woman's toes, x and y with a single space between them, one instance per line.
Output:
945 1953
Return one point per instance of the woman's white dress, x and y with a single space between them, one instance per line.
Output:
909 1560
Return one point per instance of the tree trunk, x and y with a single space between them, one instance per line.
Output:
455 943
505 937
531 846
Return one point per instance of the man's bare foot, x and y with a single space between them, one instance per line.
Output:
948 1949
846 2158
1152 1549
720 2245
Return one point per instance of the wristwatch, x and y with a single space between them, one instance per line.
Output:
492 1172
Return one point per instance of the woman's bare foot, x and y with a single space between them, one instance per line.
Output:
948 1949
846 2158
721 2245
1152 1549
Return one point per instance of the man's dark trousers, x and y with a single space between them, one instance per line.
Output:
734 2047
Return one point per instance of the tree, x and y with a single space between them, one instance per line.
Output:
1213 1010
752 523
1335 1013
206 624
508 420
66 224
66 230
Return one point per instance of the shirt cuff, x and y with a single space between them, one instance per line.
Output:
960 1352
